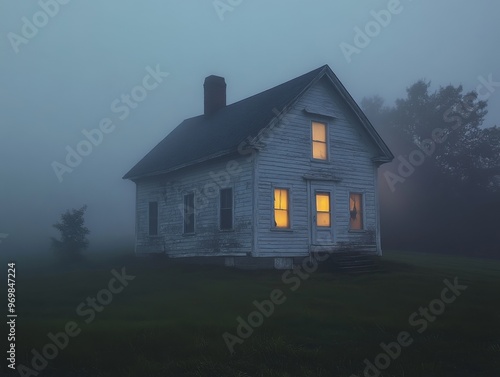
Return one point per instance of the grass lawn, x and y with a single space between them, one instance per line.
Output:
170 320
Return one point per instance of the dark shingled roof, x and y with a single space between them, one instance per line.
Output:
203 137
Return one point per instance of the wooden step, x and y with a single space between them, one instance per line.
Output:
352 263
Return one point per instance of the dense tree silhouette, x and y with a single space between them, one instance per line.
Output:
442 191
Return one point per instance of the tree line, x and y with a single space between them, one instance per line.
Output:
441 193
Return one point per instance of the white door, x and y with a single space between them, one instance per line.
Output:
322 214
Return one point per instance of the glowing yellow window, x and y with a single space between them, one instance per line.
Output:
323 209
356 211
281 208
319 148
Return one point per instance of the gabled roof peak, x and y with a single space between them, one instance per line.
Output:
203 137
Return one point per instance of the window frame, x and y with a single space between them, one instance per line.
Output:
184 224
329 212
327 141
157 219
362 195
220 209
289 211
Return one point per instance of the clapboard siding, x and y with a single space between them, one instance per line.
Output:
283 160
286 158
204 181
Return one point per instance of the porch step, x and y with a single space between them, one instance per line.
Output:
352 263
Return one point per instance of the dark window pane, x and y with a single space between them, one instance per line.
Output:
153 218
189 213
226 209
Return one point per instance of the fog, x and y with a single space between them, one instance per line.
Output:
65 78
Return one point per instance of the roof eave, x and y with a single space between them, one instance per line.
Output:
326 70
359 114
178 167
281 114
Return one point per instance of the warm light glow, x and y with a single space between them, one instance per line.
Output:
319 132
281 217
323 209
356 211
319 141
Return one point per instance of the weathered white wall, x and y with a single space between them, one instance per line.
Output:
204 180
287 158
283 162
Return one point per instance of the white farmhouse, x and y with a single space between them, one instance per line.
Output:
266 180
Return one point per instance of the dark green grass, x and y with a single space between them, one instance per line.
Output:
169 321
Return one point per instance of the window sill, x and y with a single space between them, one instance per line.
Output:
188 234
154 236
327 161
281 230
226 230
357 230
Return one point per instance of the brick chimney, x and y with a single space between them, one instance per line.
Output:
215 94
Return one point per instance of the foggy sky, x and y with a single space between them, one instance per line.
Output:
66 77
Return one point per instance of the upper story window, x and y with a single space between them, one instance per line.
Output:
319 144
153 218
281 208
